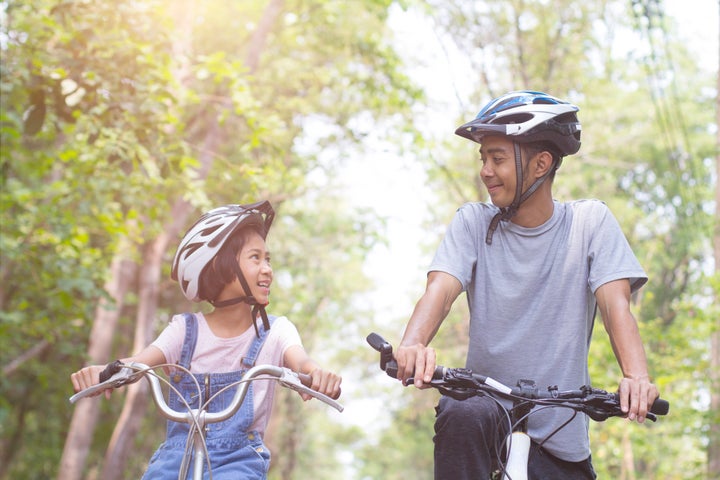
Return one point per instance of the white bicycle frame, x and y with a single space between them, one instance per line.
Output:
518 446
198 418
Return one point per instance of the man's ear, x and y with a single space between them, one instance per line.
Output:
543 163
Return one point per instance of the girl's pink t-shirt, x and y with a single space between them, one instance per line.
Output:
221 355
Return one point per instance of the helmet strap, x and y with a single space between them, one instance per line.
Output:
507 213
249 299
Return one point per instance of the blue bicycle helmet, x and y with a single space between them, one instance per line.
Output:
528 116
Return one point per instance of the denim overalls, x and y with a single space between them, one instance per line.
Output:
234 451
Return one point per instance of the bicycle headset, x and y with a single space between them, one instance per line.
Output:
526 116
203 241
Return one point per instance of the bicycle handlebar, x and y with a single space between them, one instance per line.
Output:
462 383
132 372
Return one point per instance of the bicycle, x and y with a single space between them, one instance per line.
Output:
463 383
119 374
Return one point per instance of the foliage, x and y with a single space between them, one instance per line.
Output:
655 174
77 169
108 108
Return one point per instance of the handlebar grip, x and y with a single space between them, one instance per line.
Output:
377 342
660 407
388 363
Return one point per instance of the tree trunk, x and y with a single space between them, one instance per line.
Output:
259 37
285 432
29 354
714 434
628 459
136 401
85 415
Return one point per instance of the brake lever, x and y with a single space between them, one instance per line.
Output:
457 383
291 380
125 376
601 405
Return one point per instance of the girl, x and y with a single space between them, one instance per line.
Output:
223 259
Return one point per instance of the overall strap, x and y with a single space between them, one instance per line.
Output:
251 356
191 331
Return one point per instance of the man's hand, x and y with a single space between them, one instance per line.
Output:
637 395
416 362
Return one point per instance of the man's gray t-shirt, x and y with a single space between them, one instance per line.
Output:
532 303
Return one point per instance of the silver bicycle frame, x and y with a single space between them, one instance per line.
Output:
198 417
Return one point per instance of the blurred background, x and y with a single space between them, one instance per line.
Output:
123 121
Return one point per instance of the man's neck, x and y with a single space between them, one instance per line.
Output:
535 211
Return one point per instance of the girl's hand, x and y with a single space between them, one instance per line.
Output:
87 377
325 382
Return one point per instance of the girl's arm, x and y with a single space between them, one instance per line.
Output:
90 375
323 381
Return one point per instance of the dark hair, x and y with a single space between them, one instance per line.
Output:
220 271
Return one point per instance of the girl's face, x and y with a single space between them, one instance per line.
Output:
254 261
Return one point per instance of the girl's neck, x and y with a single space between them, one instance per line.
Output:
232 321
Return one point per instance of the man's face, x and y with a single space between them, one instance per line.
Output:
498 169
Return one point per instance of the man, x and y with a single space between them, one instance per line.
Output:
535 272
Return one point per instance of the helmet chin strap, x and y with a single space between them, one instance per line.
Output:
506 213
249 299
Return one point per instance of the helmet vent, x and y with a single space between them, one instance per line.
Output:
512 119
211 230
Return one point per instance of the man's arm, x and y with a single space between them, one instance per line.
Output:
637 393
413 356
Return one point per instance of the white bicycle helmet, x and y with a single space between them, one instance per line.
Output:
526 116
206 237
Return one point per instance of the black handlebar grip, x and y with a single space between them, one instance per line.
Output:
110 370
660 407
387 362
377 342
